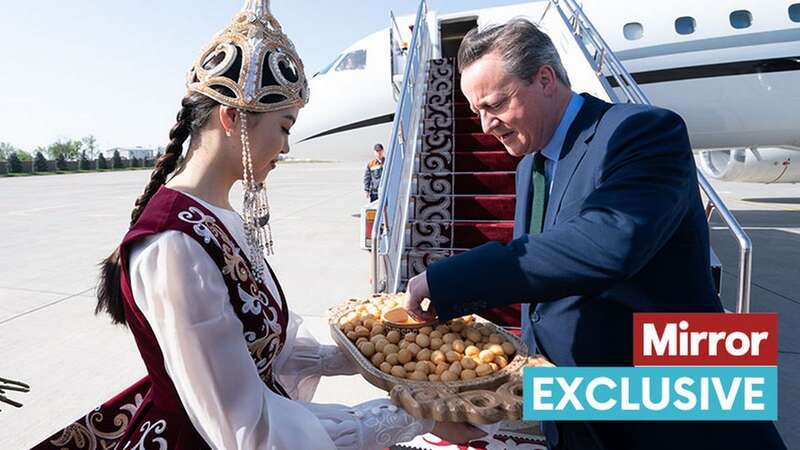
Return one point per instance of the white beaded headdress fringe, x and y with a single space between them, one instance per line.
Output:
252 65
256 208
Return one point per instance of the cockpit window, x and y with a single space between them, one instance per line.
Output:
356 60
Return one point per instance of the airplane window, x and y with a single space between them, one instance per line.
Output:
633 31
794 12
741 19
685 25
356 60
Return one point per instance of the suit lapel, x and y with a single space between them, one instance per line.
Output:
574 149
522 210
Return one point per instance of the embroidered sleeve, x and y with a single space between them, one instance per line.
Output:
182 294
376 424
303 360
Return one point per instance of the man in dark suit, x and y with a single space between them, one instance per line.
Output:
608 222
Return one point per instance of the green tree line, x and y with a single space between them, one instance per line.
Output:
69 150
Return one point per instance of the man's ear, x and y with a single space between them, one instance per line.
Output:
228 118
546 77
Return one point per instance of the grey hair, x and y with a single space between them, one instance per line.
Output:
519 43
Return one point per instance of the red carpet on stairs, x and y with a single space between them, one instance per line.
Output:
480 161
494 207
477 141
484 183
473 234
485 172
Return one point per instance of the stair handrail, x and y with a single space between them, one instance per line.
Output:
395 37
389 228
585 33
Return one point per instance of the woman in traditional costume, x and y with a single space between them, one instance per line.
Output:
229 366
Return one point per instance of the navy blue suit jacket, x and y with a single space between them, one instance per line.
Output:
625 231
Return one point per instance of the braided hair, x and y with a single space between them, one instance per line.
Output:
193 115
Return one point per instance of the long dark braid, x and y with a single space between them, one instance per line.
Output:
194 113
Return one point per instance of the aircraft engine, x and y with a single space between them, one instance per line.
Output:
752 165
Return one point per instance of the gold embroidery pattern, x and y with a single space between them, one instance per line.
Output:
88 436
263 337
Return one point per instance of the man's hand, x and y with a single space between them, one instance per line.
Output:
457 433
416 292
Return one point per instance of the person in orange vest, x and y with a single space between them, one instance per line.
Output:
372 175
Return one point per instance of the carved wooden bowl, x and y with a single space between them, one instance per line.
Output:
481 400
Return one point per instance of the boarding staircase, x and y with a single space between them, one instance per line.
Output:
448 187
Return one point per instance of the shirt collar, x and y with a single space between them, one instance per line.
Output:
552 151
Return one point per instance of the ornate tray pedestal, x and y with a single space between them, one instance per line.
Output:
445 404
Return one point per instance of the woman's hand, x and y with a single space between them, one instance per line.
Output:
457 433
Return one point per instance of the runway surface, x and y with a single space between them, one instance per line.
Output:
57 228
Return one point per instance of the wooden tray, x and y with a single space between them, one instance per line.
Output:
481 400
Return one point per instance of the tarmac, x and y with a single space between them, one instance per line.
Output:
57 228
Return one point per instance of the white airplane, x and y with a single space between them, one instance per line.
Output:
730 68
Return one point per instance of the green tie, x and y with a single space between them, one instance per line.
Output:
539 195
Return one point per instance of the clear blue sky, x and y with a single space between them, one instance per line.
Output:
116 69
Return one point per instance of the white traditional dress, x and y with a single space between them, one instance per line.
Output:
240 383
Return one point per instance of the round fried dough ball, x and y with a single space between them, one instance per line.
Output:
424 355
449 375
377 359
468 374
483 370
362 331
418 376
438 357
390 348
393 336
405 356
367 348
473 335
454 356
486 356
496 349
468 363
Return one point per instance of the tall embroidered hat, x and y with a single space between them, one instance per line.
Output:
251 64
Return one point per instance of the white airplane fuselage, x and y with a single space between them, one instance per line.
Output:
736 88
